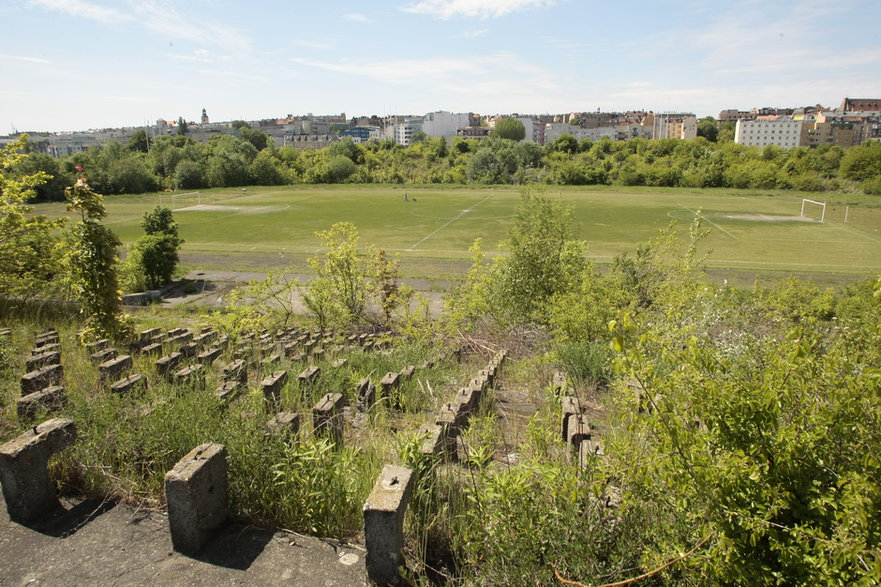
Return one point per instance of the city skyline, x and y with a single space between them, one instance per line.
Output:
77 64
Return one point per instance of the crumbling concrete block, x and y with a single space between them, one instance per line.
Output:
309 374
192 375
37 362
165 366
154 348
272 389
384 524
327 417
45 377
24 472
50 398
570 407
577 430
133 382
285 424
236 371
229 390
407 372
115 367
97 346
195 491
209 356
366 391
104 355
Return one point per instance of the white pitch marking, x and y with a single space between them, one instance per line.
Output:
702 217
461 214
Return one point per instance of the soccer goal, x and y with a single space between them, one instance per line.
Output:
189 199
816 210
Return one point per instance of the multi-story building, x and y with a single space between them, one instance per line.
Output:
860 105
362 133
670 125
829 132
444 124
782 131
405 130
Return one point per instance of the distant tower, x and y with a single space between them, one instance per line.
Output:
204 117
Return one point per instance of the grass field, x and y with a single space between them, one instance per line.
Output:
267 227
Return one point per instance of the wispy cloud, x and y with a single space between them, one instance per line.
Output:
445 72
233 75
26 58
83 10
560 43
163 18
357 16
199 55
312 44
473 34
474 8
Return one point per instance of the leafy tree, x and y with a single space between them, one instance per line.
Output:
707 128
256 137
188 175
28 247
338 292
139 141
544 260
56 177
340 168
92 263
565 143
181 126
862 162
509 128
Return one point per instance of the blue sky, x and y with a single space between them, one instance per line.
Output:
77 64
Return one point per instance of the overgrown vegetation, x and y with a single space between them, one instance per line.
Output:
740 430
178 162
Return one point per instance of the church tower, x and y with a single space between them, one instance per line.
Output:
204 117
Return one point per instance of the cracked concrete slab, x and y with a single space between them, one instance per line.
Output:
95 543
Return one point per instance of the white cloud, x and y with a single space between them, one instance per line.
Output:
199 55
497 73
312 44
356 16
473 34
560 43
162 17
26 58
233 75
475 8
83 10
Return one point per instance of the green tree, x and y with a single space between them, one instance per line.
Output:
92 263
56 177
258 138
707 128
543 260
139 141
181 126
29 251
509 128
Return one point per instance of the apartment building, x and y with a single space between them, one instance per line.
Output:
782 131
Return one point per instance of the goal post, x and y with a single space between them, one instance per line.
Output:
813 205
196 195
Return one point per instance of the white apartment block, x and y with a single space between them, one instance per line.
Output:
782 131
674 126
443 124
405 130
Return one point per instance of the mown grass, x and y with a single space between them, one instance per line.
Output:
433 230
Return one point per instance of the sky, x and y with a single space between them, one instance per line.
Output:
81 64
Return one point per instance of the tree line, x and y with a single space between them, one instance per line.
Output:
251 158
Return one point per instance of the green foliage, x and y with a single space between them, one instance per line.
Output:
543 259
91 262
153 259
29 251
509 128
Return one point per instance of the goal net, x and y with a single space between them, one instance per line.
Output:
813 209
185 200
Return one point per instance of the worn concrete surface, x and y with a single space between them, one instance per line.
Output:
92 543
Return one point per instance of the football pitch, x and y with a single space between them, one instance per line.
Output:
433 228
